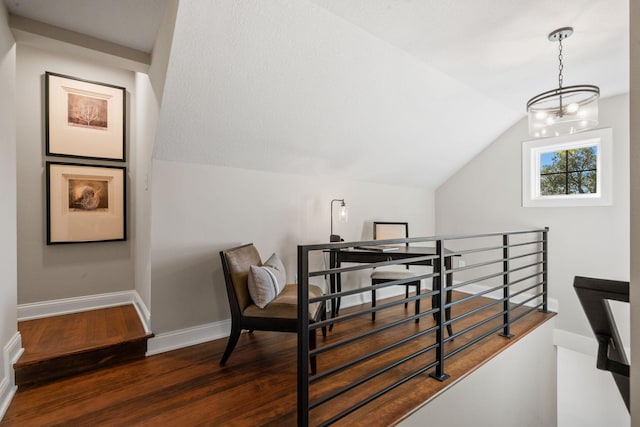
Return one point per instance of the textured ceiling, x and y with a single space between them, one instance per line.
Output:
130 23
400 92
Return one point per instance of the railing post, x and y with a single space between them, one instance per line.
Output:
506 291
303 337
439 267
545 300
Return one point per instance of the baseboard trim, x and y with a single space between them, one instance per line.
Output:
143 312
38 310
174 340
11 353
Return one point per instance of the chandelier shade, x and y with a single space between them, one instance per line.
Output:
565 110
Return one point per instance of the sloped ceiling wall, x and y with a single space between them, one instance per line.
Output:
289 87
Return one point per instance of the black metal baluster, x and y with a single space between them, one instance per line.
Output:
439 265
506 331
303 337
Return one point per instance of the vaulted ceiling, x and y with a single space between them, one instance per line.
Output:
400 92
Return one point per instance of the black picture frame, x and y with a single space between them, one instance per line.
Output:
84 118
85 203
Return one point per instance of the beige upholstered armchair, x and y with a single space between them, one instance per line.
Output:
280 314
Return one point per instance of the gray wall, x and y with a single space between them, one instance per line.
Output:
588 241
199 210
8 324
59 271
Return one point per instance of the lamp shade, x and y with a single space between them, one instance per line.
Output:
563 111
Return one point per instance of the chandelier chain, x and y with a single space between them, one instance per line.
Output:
561 66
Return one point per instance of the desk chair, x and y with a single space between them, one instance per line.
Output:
280 315
393 230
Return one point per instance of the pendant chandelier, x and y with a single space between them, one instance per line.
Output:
567 109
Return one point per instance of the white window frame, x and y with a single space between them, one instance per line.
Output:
531 151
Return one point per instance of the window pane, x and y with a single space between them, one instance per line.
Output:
582 182
582 159
553 184
554 161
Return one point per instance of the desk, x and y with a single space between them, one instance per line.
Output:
337 257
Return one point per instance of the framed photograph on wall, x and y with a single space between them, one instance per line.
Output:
84 118
85 203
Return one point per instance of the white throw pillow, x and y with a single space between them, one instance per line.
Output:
267 281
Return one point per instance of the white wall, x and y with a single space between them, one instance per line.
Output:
634 22
146 108
516 388
199 210
587 241
60 271
587 397
8 269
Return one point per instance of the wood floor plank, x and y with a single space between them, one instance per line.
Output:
257 387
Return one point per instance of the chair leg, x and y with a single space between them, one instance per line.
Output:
312 346
373 304
417 302
231 343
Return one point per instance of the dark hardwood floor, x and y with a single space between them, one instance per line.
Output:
187 387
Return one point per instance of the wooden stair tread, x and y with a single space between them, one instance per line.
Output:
62 346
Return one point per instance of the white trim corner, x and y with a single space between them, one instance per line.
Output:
11 353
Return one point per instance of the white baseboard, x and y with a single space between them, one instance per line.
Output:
186 337
38 310
575 342
143 312
579 343
11 353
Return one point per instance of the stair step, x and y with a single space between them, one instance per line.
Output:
63 346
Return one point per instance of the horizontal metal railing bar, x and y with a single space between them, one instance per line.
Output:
475 250
491 248
528 288
370 288
474 281
362 266
474 311
474 296
474 341
370 376
523 267
515 245
511 258
524 313
476 265
523 303
368 356
343 245
354 338
378 394
477 325
522 279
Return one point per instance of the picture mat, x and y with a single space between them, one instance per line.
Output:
68 224
74 139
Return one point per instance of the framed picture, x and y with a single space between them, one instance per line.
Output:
84 118
85 203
